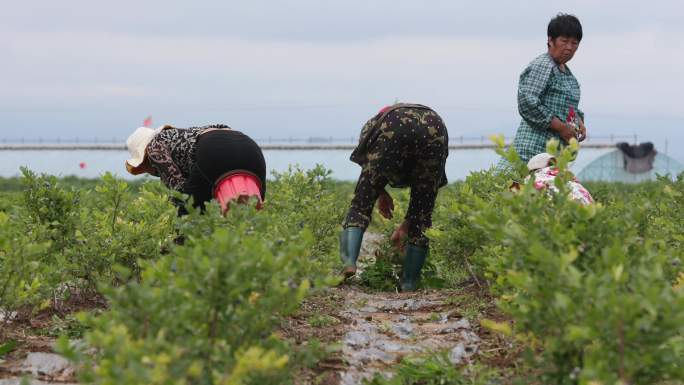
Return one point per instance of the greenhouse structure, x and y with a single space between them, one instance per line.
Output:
631 164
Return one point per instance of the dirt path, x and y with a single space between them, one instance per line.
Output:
35 336
34 359
40 368
384 327
374 330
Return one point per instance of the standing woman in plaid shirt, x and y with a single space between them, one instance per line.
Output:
547 91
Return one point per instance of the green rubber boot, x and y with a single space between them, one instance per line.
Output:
350 246
413 262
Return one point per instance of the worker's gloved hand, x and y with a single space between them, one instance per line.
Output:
385 205
399 236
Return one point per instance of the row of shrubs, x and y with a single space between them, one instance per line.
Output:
594 292
201 313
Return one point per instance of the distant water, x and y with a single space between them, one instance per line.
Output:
62 163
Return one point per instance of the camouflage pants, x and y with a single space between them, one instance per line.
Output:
410 151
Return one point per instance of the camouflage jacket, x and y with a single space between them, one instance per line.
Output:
371 131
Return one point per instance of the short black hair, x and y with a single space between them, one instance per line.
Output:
564 25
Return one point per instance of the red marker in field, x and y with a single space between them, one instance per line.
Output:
147 122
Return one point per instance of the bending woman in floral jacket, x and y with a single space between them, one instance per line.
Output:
193 160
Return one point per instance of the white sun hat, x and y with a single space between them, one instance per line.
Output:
137 143
539 161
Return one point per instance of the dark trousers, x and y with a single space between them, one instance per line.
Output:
219 152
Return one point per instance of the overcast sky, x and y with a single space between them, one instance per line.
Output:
321 68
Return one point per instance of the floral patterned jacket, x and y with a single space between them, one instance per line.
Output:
544 180
172 154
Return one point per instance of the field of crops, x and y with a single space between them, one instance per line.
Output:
134 294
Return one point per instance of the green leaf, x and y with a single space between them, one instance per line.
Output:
578 332
7 347
562 300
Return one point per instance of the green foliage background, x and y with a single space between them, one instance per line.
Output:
594 294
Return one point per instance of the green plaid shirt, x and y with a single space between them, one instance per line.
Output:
544 91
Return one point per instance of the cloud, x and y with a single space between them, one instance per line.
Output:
634 74
326 20
630 69
312 67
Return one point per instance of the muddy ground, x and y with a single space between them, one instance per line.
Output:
371 331
34 336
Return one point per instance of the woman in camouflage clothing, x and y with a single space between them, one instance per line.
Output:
404 145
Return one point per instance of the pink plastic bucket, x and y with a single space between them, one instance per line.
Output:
237 186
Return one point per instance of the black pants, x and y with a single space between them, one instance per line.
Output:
219 152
